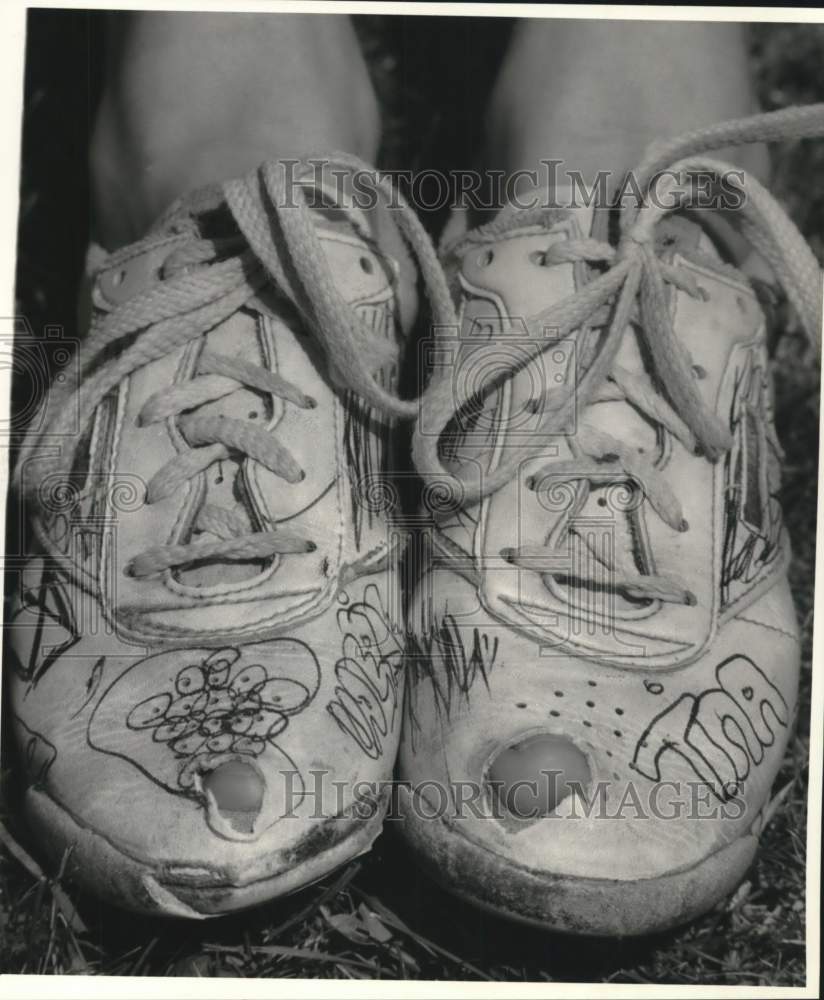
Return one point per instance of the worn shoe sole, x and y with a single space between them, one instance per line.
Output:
596 907
188 890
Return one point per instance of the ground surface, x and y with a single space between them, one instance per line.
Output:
381 918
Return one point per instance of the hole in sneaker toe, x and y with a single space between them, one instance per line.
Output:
237 789
532 777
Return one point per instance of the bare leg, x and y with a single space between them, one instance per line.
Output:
596 93
193 98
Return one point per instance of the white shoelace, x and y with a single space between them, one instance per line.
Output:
205 281
632 287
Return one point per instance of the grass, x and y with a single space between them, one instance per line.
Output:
379 917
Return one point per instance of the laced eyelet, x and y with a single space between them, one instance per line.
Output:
366 265
699 371
485 258
538 257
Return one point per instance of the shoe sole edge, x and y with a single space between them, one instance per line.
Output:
573 904
126 881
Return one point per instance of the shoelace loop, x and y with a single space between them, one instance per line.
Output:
632 288
203 282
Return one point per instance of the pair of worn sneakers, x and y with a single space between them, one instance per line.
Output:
588 687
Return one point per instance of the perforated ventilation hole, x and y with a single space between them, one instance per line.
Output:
590 704
559 694
554 713
618 733
619 711
366 265
592 684
520 704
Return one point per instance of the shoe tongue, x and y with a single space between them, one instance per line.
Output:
346 233
223 484
513 244
590 219
503 284
568 202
